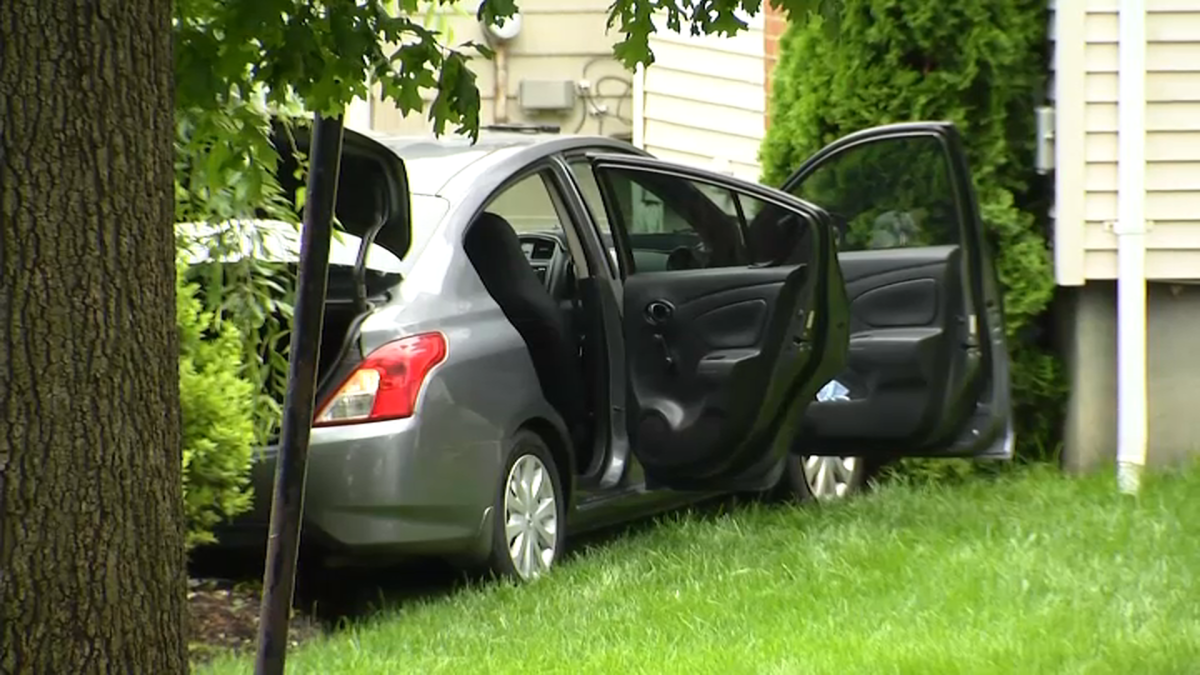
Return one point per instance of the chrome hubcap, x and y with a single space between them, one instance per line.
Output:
530 517
829 477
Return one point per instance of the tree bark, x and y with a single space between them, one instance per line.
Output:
91 546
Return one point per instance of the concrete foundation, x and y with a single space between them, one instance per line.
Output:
1088 330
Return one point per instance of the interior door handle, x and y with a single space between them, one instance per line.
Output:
659 312
666 351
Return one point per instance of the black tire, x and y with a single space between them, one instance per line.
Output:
526 452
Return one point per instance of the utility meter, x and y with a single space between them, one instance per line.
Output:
503 33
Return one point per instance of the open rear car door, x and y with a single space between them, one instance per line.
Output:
729 329
928 371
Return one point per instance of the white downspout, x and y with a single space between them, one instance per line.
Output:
639 107
1132 424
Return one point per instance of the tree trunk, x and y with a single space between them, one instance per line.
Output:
91 547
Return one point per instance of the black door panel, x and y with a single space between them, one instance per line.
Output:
890 373
721 309
734 325
888 290
910 302
905 329
702 343
863 264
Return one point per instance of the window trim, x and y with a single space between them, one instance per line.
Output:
567 162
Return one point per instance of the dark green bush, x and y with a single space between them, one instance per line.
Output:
217 417
847 65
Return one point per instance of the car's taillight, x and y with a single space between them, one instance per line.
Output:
386 384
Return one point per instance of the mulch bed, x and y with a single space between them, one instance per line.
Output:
223 619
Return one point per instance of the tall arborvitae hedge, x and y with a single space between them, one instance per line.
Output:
851 64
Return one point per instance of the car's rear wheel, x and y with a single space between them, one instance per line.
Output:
530 511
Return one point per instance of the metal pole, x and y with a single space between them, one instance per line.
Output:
287 504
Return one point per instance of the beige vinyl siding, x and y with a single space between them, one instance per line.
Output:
558 41
703 100
1068 74
1172 141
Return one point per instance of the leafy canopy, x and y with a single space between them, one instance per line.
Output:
324 52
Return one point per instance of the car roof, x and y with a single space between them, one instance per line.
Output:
433 161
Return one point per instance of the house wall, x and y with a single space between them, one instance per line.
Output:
1086 84
1086 87
1088 324
703 99
774 25
558 41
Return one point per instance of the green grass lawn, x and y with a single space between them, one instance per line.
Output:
1030 573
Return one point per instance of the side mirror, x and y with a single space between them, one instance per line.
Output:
373 195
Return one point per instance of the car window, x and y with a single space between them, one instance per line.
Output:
528 206
534 205
677 223
888 194
585 178
670 224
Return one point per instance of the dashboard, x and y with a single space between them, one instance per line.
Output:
651 253
539 251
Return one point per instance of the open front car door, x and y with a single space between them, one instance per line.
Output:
734 316
928 371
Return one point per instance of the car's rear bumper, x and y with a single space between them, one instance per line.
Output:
376 489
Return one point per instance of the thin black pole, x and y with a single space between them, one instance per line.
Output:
287 504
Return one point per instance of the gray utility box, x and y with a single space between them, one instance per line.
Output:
547 95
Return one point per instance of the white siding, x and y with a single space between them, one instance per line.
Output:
1087 139
703 99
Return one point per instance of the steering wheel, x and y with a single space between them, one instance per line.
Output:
681 258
